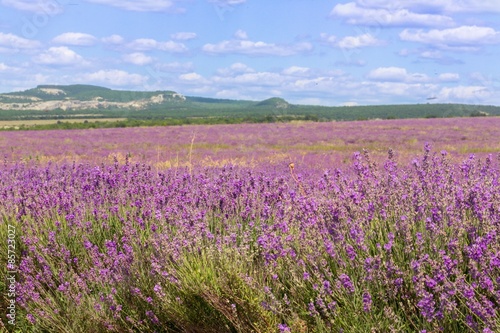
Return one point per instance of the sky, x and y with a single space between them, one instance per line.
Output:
352 52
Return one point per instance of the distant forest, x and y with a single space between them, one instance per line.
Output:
176 109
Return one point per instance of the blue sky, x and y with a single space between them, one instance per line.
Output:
352 52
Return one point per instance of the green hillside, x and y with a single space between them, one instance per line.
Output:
46 102
80 92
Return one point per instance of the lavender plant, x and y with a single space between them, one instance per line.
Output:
378 247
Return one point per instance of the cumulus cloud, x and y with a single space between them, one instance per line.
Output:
352 42
113 40
190 76
75 38
6 68
449 77
193 78
355 14
256 48
464 37
227 2
146 44
327 38
474 6
114 77
173 67
433 6
251 79
37 6
13 42
464 93
395 74
138 5
235 69
137 58
297 71
60 56
241 34
183 35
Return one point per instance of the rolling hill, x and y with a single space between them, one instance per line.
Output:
67 102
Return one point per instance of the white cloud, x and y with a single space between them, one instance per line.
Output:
464 93
227 2
431 6
464 37
329 39
75 38
6 68
474 6
256 48
183 35
138 5
297 71
193 78
146 44
241 34
355 14
60 56
449 77
113 77
190 76
396 74
235 69
388 74
173 67
251 79
352 42
138 58
50 8
431 54
403 89
14 42
113 39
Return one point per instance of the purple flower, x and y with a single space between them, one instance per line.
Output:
367 301
346 282
284 328
159 291
312 309
351 253
152 317
430 283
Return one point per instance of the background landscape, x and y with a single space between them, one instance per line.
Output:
80 106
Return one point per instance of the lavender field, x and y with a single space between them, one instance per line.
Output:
319 145
254 228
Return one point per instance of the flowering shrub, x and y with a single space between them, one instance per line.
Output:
375 248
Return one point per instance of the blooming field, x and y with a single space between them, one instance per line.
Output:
324 145
384 244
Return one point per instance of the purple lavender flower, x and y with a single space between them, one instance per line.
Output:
346 282
367 301
284 328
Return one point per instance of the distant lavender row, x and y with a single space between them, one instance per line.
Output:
393 248
325 145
